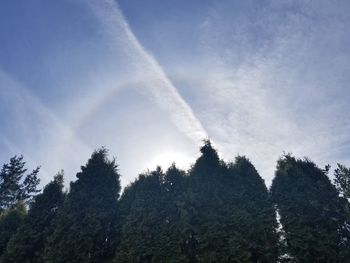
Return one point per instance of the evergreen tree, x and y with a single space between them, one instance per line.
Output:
230 216
174 231
312 214
214 212
27 245
200 214
10 220
15 184
252 215
342 180
144 217
85 228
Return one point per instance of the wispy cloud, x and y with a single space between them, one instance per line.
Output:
258 77
35 131
148 71
275 80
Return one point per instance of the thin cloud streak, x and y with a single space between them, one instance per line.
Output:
40 135
158 85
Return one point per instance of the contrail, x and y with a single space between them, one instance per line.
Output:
148 70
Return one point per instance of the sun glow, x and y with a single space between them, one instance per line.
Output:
165 160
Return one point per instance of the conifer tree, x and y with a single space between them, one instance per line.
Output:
202 202
254 216
27 245
85 228
144 214
342 180
311 212
10 220
232 218
15 184
151 229
174 230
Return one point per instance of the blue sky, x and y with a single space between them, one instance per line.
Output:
150 79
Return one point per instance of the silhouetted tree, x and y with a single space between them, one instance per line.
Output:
146 219
174 231
214 212
231 217
202 219
15 184
342 180
250 213
27 245
85 228
312 214
10 220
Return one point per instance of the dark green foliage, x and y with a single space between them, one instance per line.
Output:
142 207
312 214
85 228
15 184
203 219
150 231
174 229
232 218
218 213
10 220
214 212
253 219
342 180
28 243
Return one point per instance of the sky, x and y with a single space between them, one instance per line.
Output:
151 79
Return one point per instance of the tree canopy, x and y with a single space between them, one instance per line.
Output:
216 211
313 217
16 184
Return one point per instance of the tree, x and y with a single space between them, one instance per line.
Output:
201 218
230 215
16 185
312 215
10 220
175 230
342 180
143 220
250 214
85 228
27 245
152 225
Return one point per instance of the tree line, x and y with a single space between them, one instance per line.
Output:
216 211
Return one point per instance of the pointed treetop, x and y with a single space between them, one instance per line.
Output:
208 151
98 160
208 163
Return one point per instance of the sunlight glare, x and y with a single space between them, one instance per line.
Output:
165 159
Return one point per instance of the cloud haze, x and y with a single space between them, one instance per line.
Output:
150 80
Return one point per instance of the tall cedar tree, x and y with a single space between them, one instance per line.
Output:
15 184
139 238
231 216
85 228
27 245
311 213
10 220
151 231
252 225
203 221
174 230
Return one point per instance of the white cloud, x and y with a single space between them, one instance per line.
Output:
269 79
275 79
148 71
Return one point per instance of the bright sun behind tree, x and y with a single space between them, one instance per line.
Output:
165 159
